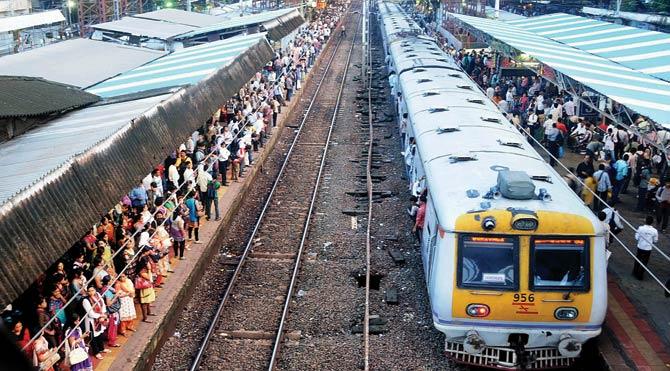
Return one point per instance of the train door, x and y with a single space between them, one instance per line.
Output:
430 239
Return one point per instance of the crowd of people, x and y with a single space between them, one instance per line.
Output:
108 279
615 158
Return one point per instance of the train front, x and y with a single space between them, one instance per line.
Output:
521 289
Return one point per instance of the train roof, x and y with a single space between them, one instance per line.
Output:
462 137
416 52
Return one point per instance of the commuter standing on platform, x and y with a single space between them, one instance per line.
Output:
646 235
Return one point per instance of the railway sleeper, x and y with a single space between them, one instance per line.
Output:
364 193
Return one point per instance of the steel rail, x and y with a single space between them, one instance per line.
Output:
278 341
247 249
368 176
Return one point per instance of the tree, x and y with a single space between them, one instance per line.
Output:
631 5
660 6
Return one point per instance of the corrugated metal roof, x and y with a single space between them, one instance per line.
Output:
78 62
19 22
238 22
40 224
29 158
180 16
502 14
145 28
642 50
183 67
30 96
642 93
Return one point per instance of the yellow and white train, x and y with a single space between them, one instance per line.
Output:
515 264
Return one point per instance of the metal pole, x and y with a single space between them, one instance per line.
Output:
497 13
618 7
188 5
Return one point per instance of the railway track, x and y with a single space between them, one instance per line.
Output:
248 329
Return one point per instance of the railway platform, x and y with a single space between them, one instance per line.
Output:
136 352
636 335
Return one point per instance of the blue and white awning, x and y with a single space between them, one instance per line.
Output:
183 67
638 91
642 50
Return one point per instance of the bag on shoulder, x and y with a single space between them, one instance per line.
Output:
142 283
51 360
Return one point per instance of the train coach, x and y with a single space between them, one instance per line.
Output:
515 264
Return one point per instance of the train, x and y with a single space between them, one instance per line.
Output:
514 262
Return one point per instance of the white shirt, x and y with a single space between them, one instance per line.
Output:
645 236
548 125
569 108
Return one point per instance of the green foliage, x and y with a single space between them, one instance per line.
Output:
631 5
660 6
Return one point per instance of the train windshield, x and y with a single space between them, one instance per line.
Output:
488 262
559 264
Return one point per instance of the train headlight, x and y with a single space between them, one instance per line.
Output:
489 223
477 310
566 313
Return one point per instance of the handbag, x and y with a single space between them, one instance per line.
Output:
141 283
77 355
51 360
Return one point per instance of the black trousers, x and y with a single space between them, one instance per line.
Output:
643 256
662 215
97 344
223 170
597 205
178 247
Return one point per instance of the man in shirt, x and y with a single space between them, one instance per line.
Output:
603 186
663 198
569 107
585 168
646 235
138 197
420 218
621 168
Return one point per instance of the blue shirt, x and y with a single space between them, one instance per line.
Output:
621 168
603 180
192 210
138 196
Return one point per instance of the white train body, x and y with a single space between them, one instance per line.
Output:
514 281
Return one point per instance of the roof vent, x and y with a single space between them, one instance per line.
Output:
455 75
464 87
417 70
511 144
463 158
515 185
491 119
421 81
438 109
411 55
478 101
430 93
447 130
542 178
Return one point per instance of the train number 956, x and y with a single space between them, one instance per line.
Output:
524 298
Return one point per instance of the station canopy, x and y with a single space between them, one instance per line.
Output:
77 62
180 16
644 94
68 172
642 50
183 67
20 22
145 28
240 22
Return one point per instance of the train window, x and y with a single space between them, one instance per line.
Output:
559 264
488 262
